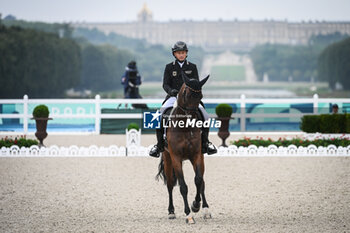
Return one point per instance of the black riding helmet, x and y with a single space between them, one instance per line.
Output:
179 46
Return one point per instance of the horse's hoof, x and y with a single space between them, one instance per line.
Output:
195 209
171 216
206 213
190 220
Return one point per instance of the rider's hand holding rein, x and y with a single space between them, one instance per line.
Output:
174 92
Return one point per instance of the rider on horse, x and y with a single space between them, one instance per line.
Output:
172 82
131 79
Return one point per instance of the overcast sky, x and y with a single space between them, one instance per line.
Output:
164 10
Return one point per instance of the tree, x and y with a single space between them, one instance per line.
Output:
299 61
334 64
36 63
151 59
102 67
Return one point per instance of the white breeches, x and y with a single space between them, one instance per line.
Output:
172 100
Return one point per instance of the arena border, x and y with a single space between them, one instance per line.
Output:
140 151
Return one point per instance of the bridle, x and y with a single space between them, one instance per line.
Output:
185 109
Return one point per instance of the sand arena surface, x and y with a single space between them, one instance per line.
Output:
121 195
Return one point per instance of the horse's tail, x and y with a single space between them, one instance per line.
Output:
161 173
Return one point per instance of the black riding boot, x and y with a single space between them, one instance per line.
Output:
159 147
207 147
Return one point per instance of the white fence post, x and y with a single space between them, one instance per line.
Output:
25 114
315 103
97 114
243 113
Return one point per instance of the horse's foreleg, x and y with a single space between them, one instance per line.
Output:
171 209
183 189
168 170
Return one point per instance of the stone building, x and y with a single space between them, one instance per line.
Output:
220 35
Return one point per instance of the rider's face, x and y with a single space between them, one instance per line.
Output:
180 55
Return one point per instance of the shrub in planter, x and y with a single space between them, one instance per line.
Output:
133 125
310 124
223 110
41 114
41 111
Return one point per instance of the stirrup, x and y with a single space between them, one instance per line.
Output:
155 151
209 148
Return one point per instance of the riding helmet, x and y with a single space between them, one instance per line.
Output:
179 46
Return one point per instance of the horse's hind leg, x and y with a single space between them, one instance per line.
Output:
198 166
205 205
168 170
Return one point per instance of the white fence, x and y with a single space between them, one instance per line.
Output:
134 151
97 102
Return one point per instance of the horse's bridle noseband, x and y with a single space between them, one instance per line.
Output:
189 109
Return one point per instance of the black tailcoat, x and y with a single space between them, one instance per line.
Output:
172 75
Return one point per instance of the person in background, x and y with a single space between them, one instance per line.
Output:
131 80
335 108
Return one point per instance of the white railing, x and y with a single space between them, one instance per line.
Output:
97 102
231 151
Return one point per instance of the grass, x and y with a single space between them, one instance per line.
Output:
228 73
302 89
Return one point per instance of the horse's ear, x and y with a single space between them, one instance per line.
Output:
185 78
203 81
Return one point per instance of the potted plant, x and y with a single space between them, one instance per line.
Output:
133 125
133 138
224 111
41 116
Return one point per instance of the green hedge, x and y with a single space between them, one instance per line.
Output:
326 123
296 141
22 141
347 123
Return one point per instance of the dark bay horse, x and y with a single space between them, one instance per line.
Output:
184 143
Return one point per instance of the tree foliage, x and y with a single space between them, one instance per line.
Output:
62 30
334 64
36 63
280 62
44 60
151 59
102 67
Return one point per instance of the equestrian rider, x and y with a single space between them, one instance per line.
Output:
172 82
